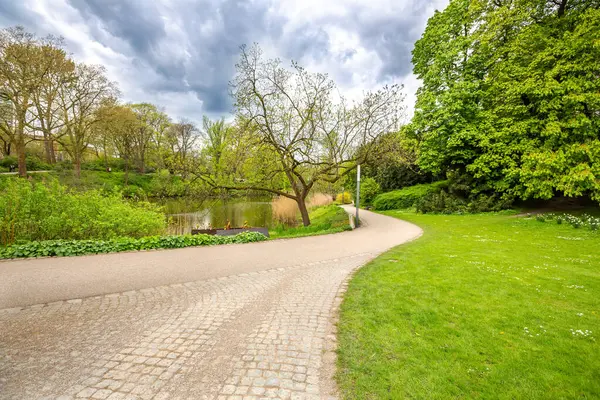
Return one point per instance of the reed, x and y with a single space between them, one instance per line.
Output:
318 200
285 211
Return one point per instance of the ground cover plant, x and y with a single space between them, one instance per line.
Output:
484 306
576 221
50 248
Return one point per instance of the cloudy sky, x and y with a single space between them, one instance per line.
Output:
180 54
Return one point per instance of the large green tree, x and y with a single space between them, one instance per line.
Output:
511 96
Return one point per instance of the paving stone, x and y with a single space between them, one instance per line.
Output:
250 336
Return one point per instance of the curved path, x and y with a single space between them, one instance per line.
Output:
244 321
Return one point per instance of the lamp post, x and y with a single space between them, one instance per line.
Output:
357 193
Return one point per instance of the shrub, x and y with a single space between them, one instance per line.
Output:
31 162
407 197
48 211
369 189
164 184
52 248
134 193
343 198
451 203
285 210
318 200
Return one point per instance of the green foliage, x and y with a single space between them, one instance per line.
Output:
324 220
47 210
510 96
343 198
58 248
369 189
449 203
32 163
479 307
407 197
164 184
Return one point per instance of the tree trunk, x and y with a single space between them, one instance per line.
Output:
77 166
142 166
49 149
303 210
22 161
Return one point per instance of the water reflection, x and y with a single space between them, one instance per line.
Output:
185 214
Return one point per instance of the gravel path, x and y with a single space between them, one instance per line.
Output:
245 321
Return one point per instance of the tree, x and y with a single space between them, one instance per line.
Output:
312 134
153 124
120 124
46 99
25 64
182 138
79 102
216 135
509 98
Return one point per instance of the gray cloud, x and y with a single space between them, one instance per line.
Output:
181 53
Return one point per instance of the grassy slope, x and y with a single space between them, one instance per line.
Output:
324 220
479 307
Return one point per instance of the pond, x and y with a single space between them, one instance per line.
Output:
187 213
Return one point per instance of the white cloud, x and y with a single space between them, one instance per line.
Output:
179 54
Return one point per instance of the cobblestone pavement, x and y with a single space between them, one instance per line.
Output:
261 334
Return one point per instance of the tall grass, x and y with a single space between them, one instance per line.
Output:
318 200
47 211
285 210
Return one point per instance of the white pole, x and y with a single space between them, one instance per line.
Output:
357 193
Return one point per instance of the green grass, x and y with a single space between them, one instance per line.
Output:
481 306
324 220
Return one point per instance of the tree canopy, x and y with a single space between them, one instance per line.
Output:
510 100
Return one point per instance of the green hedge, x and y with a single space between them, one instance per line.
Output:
406 197
52 248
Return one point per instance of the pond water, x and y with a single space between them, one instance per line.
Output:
186 214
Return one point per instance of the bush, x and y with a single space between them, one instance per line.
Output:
407 197
450 203
52 248
32 163
134 193
343 198
163 184
441 202
369 189
48 211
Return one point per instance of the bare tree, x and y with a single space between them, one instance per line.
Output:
46 100
79 102
25 63
183 137
312 131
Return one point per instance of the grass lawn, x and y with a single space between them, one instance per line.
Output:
481 306
324 220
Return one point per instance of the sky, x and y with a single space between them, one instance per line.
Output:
181 54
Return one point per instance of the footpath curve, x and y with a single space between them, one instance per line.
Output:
242 321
